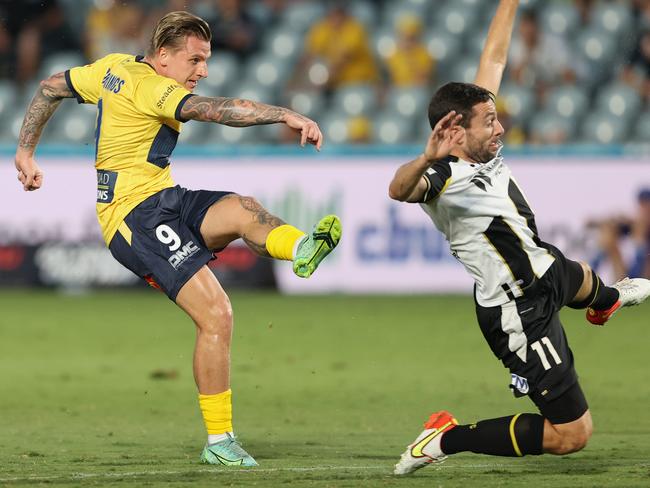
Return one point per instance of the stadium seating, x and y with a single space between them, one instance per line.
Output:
355 100
601 127
454 34
391 128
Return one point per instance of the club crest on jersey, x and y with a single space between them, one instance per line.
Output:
182 254
519 383
480 181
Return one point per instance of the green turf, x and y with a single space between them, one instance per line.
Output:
327 392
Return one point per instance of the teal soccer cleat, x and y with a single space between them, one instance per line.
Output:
227 453
317 245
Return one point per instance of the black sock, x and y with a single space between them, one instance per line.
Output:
515 435
601 297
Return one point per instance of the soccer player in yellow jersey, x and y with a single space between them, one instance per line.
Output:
164 233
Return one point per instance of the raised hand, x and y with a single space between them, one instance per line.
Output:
444 136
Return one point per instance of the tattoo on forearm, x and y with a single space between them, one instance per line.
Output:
234 112
45 102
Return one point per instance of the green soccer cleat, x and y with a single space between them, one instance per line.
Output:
227 453
317 245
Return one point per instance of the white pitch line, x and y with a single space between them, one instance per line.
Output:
295 469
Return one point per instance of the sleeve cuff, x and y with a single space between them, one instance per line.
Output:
179 107
74 92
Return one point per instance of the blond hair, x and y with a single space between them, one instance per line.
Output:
172 30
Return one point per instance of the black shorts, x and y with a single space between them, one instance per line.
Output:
162 243
527 336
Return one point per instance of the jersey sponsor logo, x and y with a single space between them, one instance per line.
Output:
180 256
105 185
164 96
111 82
519 383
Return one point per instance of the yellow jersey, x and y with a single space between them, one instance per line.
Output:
348 43
138 122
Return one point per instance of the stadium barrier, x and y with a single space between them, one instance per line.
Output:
52 237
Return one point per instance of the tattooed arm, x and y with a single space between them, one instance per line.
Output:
237 112
46 100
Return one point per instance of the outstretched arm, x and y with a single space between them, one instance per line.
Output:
46 100
495 53
407 184
237 112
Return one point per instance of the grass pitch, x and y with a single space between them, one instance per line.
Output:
97 390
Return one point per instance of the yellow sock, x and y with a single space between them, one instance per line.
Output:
281 241
217 412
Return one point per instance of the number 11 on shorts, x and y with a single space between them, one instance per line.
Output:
537 347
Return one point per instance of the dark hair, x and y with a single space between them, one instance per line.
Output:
460 97
172 30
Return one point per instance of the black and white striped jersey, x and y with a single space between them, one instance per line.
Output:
489 225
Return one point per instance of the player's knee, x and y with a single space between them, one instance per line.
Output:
576 439
217 317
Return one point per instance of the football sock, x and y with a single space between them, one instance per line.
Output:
281 242
217 412
601 297
515 435
214 438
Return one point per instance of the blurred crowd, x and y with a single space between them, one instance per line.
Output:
579 70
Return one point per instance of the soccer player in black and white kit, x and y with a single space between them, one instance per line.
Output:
463 184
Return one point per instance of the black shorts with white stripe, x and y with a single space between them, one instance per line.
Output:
527 336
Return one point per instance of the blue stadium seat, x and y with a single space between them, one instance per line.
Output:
256 92
598 49
334 126
560 19
443 47
519 101
223 71
476 40
391 128
267 71
59 62
619 100
463 71
7 98
603 128
642 128
383 42
194 132
356 100
11 127
455 18
408 102
77 125
223 134
308 103
548 127
615 18
365 12
301 15
567 101
283 44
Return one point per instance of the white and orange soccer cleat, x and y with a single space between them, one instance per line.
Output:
632 291
425 449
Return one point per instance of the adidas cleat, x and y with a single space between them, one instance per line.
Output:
425 449
632 291
315 247
227 453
